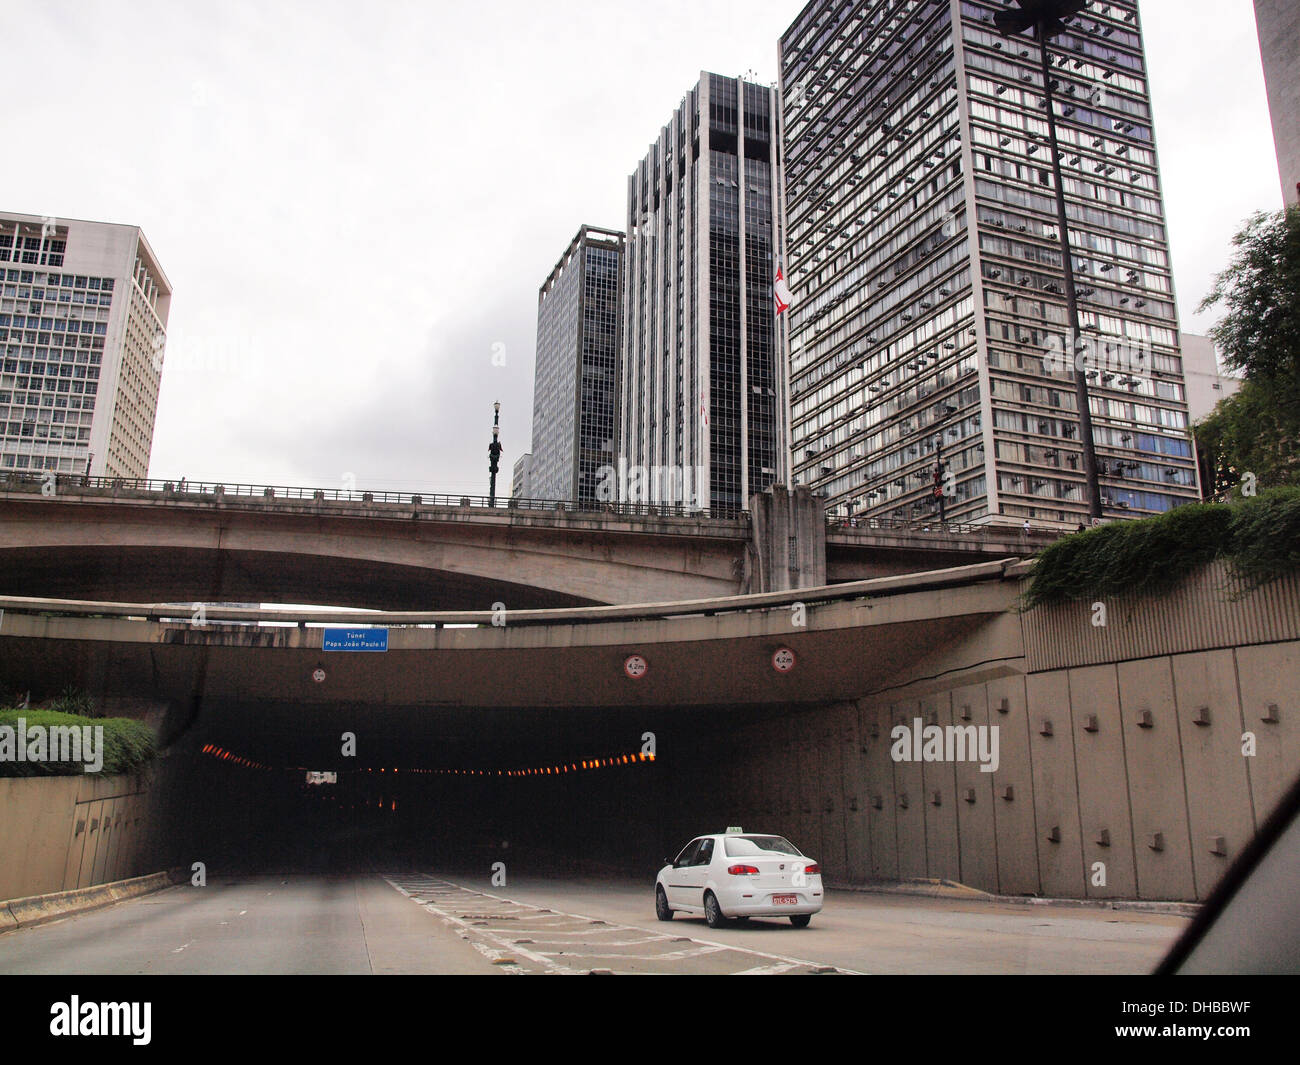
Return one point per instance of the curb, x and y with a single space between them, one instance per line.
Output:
38 909
950 889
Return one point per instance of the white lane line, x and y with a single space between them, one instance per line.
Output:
507 948
766 970
676 955
705 942
183 946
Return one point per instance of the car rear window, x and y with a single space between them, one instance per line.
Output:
740 846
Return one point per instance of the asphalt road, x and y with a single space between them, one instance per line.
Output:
426 923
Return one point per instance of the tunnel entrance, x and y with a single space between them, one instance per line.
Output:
542 791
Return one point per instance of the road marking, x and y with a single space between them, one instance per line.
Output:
449 893
506 948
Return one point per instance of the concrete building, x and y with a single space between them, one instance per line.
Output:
1207 384
702 392
521 481
83 328
928 318
575 397
1278 22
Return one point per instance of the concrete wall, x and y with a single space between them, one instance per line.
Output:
1121 778
60 833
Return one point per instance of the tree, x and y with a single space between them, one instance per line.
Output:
1257 430
1260 333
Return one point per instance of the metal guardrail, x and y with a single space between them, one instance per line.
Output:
914 527
212 490
186 489
182 613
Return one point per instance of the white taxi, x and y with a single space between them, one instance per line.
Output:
739 874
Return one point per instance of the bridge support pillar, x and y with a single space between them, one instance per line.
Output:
789 539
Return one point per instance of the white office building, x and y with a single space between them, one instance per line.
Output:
83 327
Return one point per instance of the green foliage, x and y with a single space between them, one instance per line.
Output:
1260 332
129 745
1259 536
74 701
1255 431
1265 535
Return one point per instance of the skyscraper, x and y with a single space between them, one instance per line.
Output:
83 324
575 395
702 390
931 361
1278 23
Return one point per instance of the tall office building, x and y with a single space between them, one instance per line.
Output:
83 325
702 379
521 483
575 392
1207 384
1278 23
928 326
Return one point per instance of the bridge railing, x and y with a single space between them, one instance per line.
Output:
912 526
184 488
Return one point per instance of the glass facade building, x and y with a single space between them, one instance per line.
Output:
83 328
702 391
929 337
575 396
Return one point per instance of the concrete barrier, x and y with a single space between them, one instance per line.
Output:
37 909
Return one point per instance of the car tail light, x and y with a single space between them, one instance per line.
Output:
743 870
812 870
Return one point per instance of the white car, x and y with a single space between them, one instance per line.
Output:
739 874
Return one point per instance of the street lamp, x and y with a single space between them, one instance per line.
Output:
494 454
1046 18
940 470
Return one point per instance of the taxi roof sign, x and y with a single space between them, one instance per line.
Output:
734 830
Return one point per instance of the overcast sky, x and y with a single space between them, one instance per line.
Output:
356 203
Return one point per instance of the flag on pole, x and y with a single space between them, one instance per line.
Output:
781 292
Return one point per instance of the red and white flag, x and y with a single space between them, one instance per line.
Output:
781 292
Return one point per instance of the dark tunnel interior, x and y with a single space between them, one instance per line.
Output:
598 791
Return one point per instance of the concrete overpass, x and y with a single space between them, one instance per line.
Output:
1120 746
114 540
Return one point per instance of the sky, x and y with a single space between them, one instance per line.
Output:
356 204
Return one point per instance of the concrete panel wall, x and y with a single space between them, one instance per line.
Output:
1055 786
1123 780
1092 714
1013 785
60 833
1161 844
977 849
940 798
1268 679
1218 792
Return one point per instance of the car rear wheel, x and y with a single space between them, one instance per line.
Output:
800 920
713 912
661 906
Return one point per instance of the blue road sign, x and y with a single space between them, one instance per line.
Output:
355 640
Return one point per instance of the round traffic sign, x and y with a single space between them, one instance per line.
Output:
318 675
636 666
783 660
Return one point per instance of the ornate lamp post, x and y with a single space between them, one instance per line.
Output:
494 455
1046 18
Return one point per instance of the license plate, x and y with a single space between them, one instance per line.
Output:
785 900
